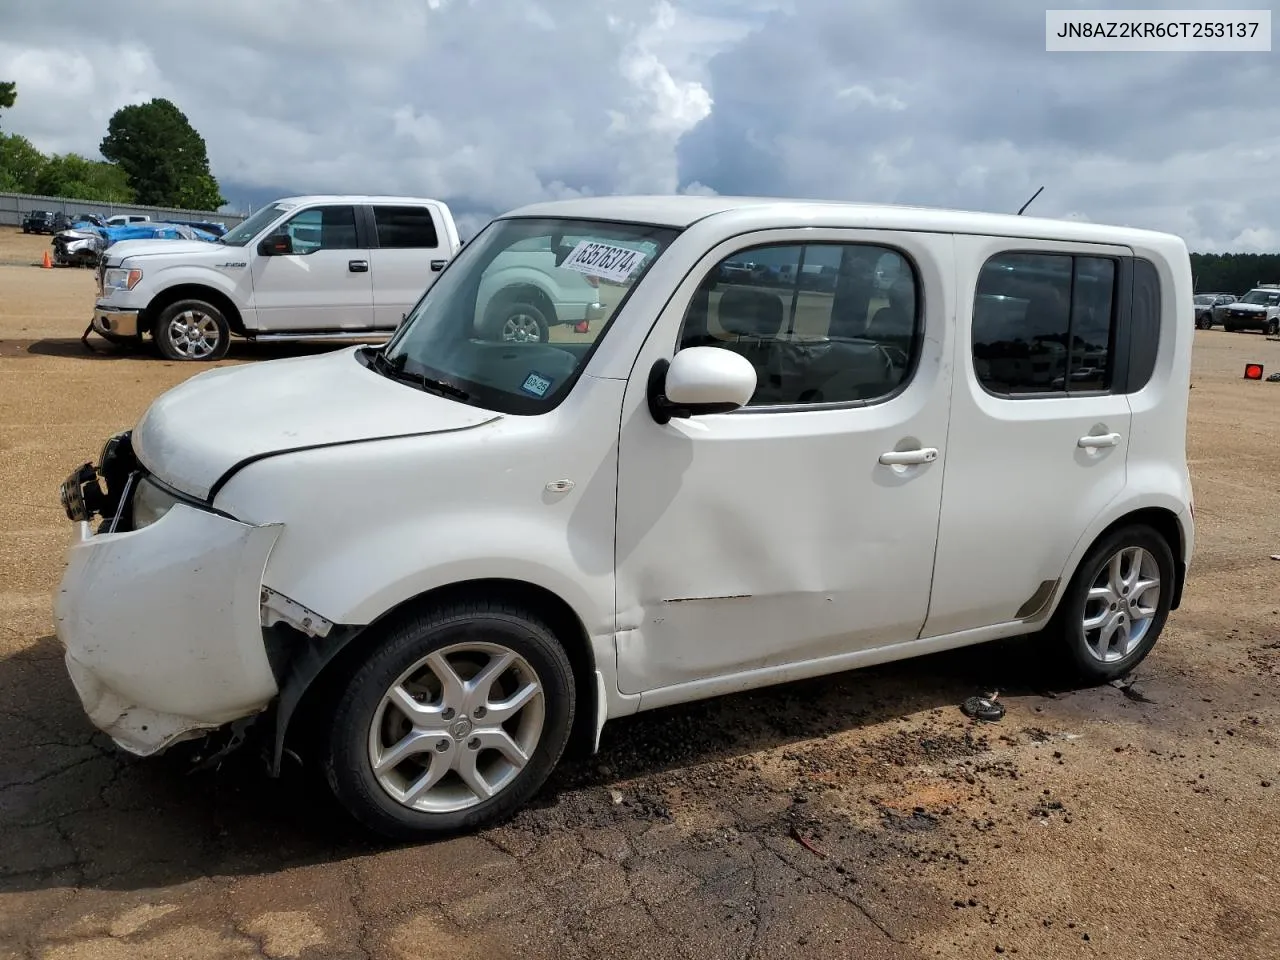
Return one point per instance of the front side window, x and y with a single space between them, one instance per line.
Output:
1044 323
820 322
405 228
322 228
514 317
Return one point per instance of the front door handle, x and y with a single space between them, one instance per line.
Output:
358 266
438 265
1101 440
904 458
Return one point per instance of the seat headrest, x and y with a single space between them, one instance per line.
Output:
750 313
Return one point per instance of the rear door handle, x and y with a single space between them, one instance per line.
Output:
903 458
358 266
1101 440
438 265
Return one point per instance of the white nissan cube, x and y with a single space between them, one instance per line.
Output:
437 562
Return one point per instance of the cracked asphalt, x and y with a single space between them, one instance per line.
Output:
860 815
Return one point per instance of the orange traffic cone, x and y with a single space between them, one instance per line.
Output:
48 264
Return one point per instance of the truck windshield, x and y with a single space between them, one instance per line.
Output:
1260 296
512 321
242 234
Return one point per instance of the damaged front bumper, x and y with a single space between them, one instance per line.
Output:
162 626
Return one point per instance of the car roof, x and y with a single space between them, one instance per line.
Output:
683 210
352 198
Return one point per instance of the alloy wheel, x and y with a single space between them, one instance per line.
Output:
457 727
522 328
194 334
1121 604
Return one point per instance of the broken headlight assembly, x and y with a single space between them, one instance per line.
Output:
150 502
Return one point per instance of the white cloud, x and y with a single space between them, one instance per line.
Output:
490 104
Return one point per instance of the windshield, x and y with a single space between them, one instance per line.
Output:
518 311
1204 298
239 236
1261 296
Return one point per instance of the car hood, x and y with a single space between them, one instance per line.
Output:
1247 307
195 434
149 248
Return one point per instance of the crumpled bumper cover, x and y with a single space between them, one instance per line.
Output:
162 626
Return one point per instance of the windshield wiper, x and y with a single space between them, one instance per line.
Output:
395 370
444 387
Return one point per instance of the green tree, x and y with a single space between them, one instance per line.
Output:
21 164
79 178
162 155
8 94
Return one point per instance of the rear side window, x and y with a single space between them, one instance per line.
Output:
1144 323
1045 324
405 227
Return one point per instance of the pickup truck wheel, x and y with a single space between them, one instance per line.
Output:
1116 605
1273 327
192 330
455 720
518 322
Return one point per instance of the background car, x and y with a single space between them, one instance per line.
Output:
39 221
1259 309
1204 306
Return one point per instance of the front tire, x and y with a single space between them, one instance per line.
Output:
1116 605
454 721
1273 327
192 330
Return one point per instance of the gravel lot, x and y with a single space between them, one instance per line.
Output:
860 815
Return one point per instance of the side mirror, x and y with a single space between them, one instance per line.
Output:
699 381
276 245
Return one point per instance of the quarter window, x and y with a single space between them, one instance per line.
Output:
405 227
1045 323
820 322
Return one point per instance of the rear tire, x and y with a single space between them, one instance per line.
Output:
518 319
451 750
192 330
1116 605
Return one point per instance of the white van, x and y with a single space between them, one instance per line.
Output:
444 557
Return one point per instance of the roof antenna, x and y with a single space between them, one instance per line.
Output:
1028 203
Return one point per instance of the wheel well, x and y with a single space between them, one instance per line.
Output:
1165 523
195 291
557 615
526 293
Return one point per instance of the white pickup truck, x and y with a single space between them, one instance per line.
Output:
318 267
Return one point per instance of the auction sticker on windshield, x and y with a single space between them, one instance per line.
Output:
603 260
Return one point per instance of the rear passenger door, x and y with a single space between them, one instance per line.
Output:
323 285
1039 429
406 242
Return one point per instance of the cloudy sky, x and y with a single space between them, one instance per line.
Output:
490 104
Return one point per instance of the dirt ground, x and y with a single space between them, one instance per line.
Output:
855 816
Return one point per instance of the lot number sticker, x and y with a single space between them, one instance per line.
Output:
604 261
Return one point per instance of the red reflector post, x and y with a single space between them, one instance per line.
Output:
1253 371
582 326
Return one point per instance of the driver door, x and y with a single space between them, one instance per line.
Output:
324 284
803 526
